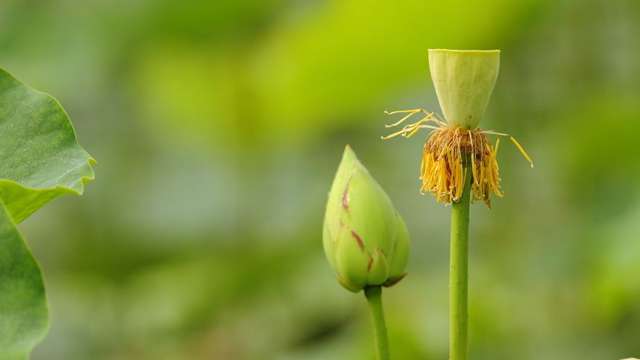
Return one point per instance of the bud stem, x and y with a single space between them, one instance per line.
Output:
374 298
458 272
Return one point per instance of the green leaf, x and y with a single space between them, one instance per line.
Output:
40 160
23 305
40 157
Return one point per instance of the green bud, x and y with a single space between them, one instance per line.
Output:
364 237
464 81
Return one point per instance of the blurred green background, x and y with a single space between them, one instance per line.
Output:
218 126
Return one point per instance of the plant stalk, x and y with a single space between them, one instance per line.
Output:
374 298
458 272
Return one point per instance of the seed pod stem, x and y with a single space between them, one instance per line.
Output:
458 271
374 298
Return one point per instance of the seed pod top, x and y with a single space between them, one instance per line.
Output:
464 81
364 237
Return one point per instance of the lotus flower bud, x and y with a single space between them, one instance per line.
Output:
365 239
464 81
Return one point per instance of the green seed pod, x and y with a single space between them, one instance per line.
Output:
364 237
464 81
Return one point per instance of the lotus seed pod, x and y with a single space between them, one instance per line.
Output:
365 239
464 81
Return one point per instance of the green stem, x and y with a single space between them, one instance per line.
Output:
374 298
458 273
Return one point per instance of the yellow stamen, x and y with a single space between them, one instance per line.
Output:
515 142
522 150
411 129
410 114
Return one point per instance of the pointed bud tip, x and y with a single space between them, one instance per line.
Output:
350 160
348 153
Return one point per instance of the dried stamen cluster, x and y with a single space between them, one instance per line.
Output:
445 153
442 171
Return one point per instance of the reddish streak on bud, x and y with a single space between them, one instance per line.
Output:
358 239
345 195
370 264
345 198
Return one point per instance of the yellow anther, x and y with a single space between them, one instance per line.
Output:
514 141
522 150
413 112
410 129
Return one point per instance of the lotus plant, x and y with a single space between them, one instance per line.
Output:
365 239
459 163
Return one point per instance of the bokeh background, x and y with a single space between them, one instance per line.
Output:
218 126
